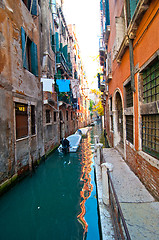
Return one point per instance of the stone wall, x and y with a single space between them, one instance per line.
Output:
147 173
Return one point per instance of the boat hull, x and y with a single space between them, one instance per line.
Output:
74 141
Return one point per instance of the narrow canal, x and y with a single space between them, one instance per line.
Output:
58 202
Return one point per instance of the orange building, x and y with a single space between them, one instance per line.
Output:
131 71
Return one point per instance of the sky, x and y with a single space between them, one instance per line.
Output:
85 14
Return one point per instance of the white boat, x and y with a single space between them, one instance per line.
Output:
74 141
82 131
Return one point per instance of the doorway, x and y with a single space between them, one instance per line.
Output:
118 121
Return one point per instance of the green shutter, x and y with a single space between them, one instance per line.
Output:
53 42
133 5
59 74
107 22
61 47
23 38
57 41
65 52
34 59
34 8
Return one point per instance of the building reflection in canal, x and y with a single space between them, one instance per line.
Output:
86 162
57 202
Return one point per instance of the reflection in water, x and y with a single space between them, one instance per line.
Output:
57 202
86 161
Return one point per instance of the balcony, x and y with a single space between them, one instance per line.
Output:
106 34
66 97
101 52
62 64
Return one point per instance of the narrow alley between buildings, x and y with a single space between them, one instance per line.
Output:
84 70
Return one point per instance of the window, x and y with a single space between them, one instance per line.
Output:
29 54
129 128
21 112
111 104
111 115
67 115
150 134
129 95
33 6
54 116
33 120
48 118
151 83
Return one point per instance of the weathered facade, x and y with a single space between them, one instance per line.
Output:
36 61
131 53
82 101
21 135
48 62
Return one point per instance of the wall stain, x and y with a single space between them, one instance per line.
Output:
2 61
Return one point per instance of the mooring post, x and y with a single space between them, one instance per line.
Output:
105 185
99 147
96 137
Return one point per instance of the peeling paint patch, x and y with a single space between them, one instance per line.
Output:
2 61
20 92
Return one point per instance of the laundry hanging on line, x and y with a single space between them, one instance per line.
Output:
63 84
47 84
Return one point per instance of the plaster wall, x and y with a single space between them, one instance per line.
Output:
145 46
17 85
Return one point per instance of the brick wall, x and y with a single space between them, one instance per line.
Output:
148 174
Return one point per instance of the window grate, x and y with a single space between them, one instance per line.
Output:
129 128
150 134
129 95
151 83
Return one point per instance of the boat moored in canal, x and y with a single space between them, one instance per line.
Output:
74 141
83 131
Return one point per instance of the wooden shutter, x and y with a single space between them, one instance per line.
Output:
133 5
57 41
23 39
107 12
34 59
65 53
53 42
34 7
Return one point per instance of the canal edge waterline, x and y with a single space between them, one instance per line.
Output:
20 175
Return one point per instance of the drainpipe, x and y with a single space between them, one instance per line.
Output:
132 72
44 20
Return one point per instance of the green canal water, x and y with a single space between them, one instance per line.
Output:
58 202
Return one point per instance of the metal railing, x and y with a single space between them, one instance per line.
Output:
60 59
121 230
